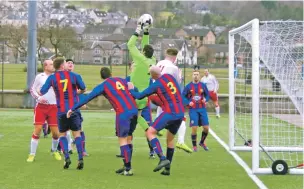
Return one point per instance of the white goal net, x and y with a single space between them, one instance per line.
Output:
266 94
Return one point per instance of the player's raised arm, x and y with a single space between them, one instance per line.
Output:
47 85
97 91
145 39
135 53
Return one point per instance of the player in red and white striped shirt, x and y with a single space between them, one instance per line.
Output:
167 66
213 87
45 111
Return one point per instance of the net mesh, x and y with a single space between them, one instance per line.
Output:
281 90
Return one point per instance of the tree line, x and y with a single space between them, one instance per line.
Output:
60 39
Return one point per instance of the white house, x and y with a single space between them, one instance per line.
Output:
187 53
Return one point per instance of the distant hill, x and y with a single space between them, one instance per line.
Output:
245 11
241 11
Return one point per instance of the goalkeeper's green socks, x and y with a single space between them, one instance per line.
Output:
143 123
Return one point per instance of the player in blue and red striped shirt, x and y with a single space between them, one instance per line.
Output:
146 113
168 90
66 85
196 95
115 89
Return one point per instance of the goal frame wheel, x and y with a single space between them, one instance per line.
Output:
279 167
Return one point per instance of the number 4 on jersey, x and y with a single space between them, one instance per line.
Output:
119 86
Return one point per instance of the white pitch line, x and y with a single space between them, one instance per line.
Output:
237 158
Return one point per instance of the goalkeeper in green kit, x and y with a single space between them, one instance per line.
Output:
142 61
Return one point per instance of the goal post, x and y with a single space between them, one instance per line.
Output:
266 96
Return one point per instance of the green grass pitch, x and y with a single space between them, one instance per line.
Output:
215 169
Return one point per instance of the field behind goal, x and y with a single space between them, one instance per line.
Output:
210 170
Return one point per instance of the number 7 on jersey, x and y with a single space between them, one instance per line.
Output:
65 84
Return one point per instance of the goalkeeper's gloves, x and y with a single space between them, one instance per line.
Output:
146 28
138 27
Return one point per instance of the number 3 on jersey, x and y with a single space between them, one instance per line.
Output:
65 84
172 87
119 86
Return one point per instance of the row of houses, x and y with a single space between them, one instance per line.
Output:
16 14
107 45
199 42
197 37
109 52
105 34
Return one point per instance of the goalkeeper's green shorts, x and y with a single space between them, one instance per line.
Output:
141 104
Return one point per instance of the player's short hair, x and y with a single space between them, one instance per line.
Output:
58 62
172 52
69 60
148 50
105 72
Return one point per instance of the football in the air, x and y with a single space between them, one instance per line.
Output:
146 20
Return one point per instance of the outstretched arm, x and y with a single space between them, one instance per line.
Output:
135 53
96 92
147 92
47 85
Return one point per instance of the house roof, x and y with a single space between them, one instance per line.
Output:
88 44
99 28
197 32
128 31
77 20
106 45
131 23
123 46
116 37
16 17
169 43
60 11
218 47
100 13
154 32
162 31
200 6
175 43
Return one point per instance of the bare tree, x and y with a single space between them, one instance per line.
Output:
42 38
16 40
63 39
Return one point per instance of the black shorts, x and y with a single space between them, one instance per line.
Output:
73 123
